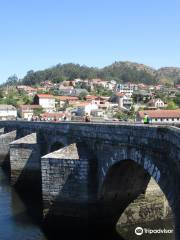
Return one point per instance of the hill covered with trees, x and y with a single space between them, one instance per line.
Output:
122 72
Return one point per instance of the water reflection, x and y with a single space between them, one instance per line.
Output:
15 223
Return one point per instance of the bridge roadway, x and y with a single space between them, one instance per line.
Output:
88 173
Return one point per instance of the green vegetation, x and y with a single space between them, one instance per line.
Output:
38 111
82 95
12 80
171 105
121 116
119 71
177 99
12 97
124 116
100 91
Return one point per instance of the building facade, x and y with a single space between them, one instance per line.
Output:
127 89
7 112
46 101
160 116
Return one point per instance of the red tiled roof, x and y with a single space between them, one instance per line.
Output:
91 97
161 113
46 114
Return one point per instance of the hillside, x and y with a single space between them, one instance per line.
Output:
169 73
119 71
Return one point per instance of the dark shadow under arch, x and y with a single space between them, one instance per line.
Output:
123 183
56 146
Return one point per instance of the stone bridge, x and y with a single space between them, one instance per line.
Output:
89 173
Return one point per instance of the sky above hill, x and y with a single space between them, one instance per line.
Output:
37 34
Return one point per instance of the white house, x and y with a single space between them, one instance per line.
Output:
128 88
101 102
156 103
7 112
85 107
160 116
124 101
46 101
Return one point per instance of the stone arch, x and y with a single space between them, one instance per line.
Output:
55 142
119 162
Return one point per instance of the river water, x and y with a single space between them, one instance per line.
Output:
17 224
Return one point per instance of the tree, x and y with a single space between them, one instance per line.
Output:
82 95
66 105
1 93
38 111
12 80
171 105
121 116
177 99
59 79
119 71
131 113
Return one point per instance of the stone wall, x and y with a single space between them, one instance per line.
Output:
65 182
25 163
57 168
5 140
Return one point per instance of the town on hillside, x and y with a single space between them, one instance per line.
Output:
100 100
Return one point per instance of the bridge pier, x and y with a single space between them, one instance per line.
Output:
5 140
25 163
67 188
57 168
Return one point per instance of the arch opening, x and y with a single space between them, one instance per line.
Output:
130 196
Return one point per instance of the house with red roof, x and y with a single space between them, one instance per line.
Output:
156 103
160 116
46 101
66 99
100 101
123 100
55 116
27 111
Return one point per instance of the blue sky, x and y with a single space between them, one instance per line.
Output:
37 34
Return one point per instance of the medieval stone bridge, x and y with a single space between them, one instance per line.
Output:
89 173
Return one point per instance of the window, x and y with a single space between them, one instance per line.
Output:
172 119
155 119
